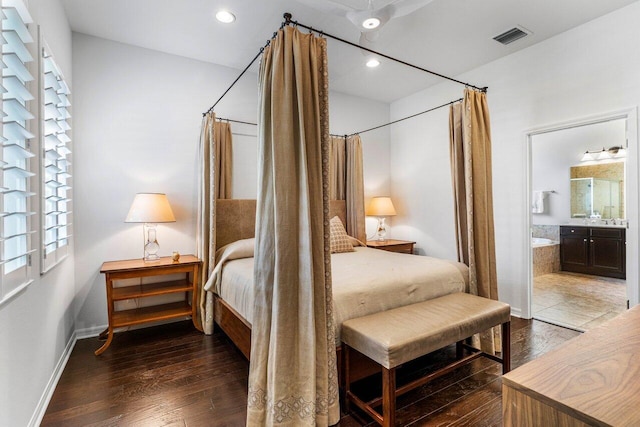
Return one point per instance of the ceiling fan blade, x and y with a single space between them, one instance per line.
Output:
405 7
367 40
328 6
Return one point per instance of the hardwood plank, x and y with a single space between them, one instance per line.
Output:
174 375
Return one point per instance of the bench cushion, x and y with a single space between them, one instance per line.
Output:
400 335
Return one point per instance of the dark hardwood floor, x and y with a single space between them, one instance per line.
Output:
172 375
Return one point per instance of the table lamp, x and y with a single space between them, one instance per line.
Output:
381 207
150 209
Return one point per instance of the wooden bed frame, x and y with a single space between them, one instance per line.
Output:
235 220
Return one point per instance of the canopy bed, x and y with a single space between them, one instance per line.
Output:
273 281
365 280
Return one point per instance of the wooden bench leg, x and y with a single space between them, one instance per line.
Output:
346 386
388 397
459 349
506 347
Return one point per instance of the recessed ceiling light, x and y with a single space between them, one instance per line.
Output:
373 63
225 16
371 23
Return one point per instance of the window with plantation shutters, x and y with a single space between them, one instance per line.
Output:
17 225
56 165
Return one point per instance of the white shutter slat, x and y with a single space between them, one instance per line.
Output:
15 111
15 89
14 131
14 22
18 150
51 82
15 67
15 45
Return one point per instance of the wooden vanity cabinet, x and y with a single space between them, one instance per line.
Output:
593 250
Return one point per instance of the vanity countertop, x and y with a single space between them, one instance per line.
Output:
599 225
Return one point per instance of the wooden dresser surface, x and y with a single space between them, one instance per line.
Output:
592 379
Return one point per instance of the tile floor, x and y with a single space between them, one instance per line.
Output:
577 301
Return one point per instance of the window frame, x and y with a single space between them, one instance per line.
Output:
19 149
54 220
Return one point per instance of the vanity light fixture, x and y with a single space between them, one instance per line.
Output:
615 152
225 16
586 157
373 63
603 155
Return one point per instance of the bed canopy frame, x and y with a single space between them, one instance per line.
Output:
226 317
288 21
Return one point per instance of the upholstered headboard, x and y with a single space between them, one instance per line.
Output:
236 218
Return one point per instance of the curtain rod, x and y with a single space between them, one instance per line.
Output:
237 78
244 71
405 118
366 130
235 121
287 21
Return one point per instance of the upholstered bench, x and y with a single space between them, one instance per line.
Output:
393 337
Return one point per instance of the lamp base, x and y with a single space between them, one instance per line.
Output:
382 230
151 246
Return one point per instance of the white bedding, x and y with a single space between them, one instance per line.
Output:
365 281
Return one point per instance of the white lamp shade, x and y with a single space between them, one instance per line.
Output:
151 208
381 206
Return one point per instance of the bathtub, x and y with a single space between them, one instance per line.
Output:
539 242
546 256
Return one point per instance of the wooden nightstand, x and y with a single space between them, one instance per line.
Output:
402 246
120 270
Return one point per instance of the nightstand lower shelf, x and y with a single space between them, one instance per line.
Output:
141 315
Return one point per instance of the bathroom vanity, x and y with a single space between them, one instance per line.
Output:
596 250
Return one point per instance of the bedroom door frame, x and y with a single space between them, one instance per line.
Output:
632 195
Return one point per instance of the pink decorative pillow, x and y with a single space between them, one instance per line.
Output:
340 241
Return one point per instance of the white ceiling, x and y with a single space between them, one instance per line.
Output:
446 36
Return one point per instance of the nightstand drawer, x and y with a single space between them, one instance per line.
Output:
400 246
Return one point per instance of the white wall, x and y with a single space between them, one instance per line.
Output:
554 153
586 71
348 114
137 125
37 324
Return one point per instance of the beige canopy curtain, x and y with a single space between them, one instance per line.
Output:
470 144
292 374
215 158
337 168
347 181
223 169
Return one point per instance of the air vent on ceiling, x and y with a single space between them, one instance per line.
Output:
511 35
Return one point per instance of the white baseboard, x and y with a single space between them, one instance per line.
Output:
89 332
516 312
41 408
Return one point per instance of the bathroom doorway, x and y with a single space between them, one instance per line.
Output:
583 195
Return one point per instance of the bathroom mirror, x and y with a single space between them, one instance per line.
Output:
597 190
